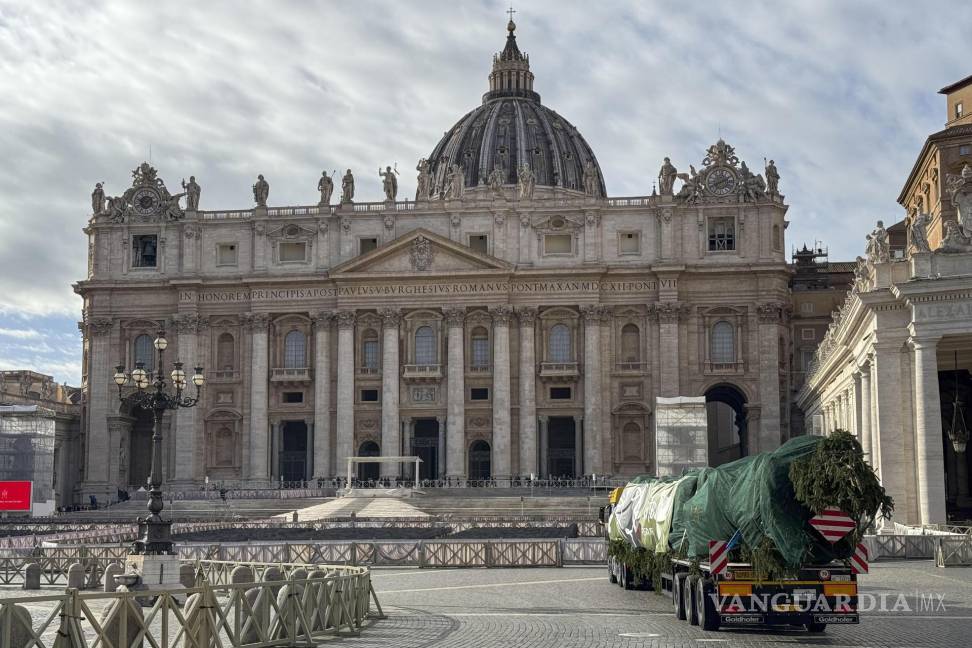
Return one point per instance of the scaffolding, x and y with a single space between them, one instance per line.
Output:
27 448
681 435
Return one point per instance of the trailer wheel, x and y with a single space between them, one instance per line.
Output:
628 577
708 617
612 577
816 627
688 595
678 584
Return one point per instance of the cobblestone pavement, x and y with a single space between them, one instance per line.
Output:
577 607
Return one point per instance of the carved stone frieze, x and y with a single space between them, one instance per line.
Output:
99 326
501 314
421 254
668 312
454 315
390 317
770 312
186 322
322 319
346 319
527 315
255 322
389 221
594 313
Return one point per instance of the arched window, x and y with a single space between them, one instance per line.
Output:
225 355
145 351
370 350
425 346
630 344
295 350
722 343
480 347
560 350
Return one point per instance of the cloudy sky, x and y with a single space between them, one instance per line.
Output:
841 94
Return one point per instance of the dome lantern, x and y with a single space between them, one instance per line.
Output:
511 75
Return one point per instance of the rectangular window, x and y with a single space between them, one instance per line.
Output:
479 393
629 243
226 254
480 352
965 150
369 395
558 244
370 354
366 245
806 308
479 242
808 334
292 252
958 110
722 234
806 357
560 393
144 250
293 397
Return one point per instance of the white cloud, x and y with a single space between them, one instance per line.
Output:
21 334
840 94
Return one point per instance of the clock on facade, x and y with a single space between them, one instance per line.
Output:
146 201
720 181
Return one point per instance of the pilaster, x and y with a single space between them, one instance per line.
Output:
345 388
502 452
527 317
390 430
455 439
322 394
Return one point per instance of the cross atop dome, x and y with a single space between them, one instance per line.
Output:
511 76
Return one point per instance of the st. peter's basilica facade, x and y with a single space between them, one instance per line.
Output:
511 320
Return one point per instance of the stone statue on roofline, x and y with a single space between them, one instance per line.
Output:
389 183
98 199
326 186
454 183
347 187
666 178
496 179
772 179
193 190
878 247
424 182
527 182
591 185
261 191
919 232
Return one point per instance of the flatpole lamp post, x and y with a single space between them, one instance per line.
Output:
154 533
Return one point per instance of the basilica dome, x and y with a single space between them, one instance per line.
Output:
512 128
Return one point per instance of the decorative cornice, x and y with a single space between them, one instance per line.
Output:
527 315
770 312
321 319
189 323
454 315
255 322
501 315
346 319
593 313
667 312
98 326
390 317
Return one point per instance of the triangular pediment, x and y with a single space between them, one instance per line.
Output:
420 252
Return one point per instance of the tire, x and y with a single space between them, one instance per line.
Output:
816 627
612 577
708 616
629 578
688 595
678 584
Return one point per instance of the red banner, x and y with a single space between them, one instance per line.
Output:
15 495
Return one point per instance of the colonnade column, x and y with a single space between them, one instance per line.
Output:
527 317
390 424
929 455
502 464
100 400
455 436
322 394
187 325
345 389
865 404
259 390
770 320
593 315
668 316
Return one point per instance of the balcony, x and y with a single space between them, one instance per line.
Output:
223 376
474 371
724 368
290 375
559 371
422 372
631 367
369 372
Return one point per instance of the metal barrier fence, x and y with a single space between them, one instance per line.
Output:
294 609
955 551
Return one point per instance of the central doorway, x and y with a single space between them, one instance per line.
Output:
369 471
479 461
425 446
561 447
293 451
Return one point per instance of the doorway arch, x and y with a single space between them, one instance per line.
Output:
368 471
725 406
479 460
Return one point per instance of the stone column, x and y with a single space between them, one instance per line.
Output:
591 439
186 325
929 455
455 440
887 428
345 388
527 317
770 318
259 391
668 316
322 394
101 400
390 424
502 464
865 405
544 446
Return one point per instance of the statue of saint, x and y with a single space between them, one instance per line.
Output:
98 199
772 179
261 191
496 179
424 184
192 193
326 186
666 178
527 182
919 232
389 183
591 187
878 247
454 183
347 187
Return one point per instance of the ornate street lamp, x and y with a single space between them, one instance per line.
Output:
154 533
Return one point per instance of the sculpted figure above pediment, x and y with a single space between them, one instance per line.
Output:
147 200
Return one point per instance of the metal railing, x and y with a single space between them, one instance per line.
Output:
558 368
422 371
294 373
632 367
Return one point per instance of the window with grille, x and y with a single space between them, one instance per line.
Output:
225 354
630 343
560 350
370 350
480 348
145 351
425 346
722 347
295 350
722 234
145 250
